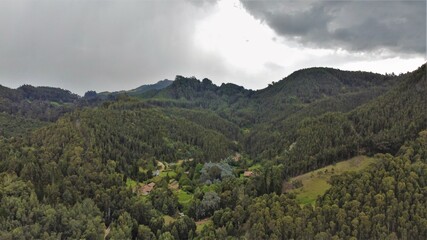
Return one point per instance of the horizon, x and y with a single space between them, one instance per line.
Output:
105 46
213 82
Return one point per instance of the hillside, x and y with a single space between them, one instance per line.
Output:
309 186
150 87
381 125
143 89
27 107
152 164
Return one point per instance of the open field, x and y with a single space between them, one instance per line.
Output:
315 183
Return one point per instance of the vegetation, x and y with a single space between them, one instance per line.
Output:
309 186
74 167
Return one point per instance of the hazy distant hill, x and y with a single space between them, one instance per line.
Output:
141 89
149 87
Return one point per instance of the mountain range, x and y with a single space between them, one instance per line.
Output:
69 158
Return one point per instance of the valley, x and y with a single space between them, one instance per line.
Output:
321 154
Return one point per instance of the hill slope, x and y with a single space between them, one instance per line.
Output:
69 179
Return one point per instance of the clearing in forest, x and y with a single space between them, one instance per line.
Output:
315 183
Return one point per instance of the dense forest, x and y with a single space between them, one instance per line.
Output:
192 160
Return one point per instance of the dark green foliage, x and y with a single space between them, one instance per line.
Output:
215 172
205 207
29 106
67 179
47 94
319 143
381 125
384 202
23 216
14 125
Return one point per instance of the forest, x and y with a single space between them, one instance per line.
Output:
187 159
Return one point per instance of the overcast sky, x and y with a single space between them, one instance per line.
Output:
114 45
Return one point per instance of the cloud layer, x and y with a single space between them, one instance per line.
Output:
397 26
114 45
107 45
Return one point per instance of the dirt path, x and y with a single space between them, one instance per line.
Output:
203 221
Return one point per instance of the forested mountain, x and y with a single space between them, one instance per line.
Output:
149 87
141 89
27 107
382 125
43 103
190 159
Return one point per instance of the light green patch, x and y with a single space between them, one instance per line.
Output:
255 167
315 183
202 223
131 183
184 198
312 188
169 173
56 104
156 179
210 188
168 219
179 162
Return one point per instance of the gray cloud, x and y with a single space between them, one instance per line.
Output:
397 26
102 45
113 45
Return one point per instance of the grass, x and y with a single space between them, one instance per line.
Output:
184 197
202 223
315 183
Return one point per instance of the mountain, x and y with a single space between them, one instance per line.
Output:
149 87
194 160
379 126
27 108
141 89
308 85
32 93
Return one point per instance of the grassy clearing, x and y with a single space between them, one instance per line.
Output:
184 197
315 183
202 223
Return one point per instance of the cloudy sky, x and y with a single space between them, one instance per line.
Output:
113 45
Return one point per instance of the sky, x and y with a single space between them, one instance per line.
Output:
111 45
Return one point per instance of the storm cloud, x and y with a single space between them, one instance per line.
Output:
118 45
361 26
107 45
